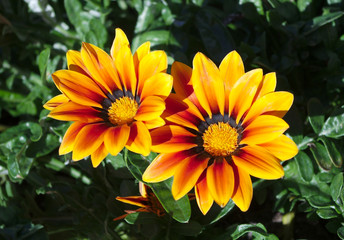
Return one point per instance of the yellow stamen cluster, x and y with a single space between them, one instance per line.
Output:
122 111
220 139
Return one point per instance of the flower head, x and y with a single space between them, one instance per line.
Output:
147 202
113 100
224 125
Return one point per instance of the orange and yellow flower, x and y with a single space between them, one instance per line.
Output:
113 100
223 126
147 202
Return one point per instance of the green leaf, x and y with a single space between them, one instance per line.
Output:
336 186
303 144
180 210
142 218
155 37
334 125
43 59
316 114
247 228
305 166
321 156
322 20
97 34
18 166
320 201
191 228
334 154
340 232
327 213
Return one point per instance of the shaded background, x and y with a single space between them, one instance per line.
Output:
46 196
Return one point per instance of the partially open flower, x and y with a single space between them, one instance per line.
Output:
112 100
223 126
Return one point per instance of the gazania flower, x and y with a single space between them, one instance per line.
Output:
112 100
224 125
147 202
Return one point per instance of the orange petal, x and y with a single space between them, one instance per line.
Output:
55 102
231 69
282 147
275 101
263 129
98 156
220 181
119 41
164 166
116 138
143 188
101 67
150 108
208 85
158 85
258 162
141 51
154 123
151 64
243 92
68 141
134 200
181 79
88 140
203 196
172 138
75 63
139 139
125 68
187 174
78 88
243 193
71 111
268 85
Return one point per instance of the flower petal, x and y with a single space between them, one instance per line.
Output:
78 88
203 196
75 63
154 123
181 79
71 111
172 138
141 51
88 140
164 166
68 141
282 147
116 138
134 200
159 84
187 174
258 162
98 156
208 85
243 92
268 85
119 41
220 181
55 102
271 102
150 108
243 193
263 129
139 139
125 67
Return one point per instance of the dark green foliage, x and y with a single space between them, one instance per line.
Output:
47 196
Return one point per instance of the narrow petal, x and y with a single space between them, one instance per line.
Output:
119 41
268 85
263 129
88 140
68 141
150 108
75 63
282 147
139 139
116 138
151 64
220 181
203 196
231 69
140 53
208 85
159 84
125 67
243 92
182 79
98 156
78 88
243 193
154 123
164 166
271 102
172 138
258 162
55 102
187 174
71 111
101 67
134 200
143 188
